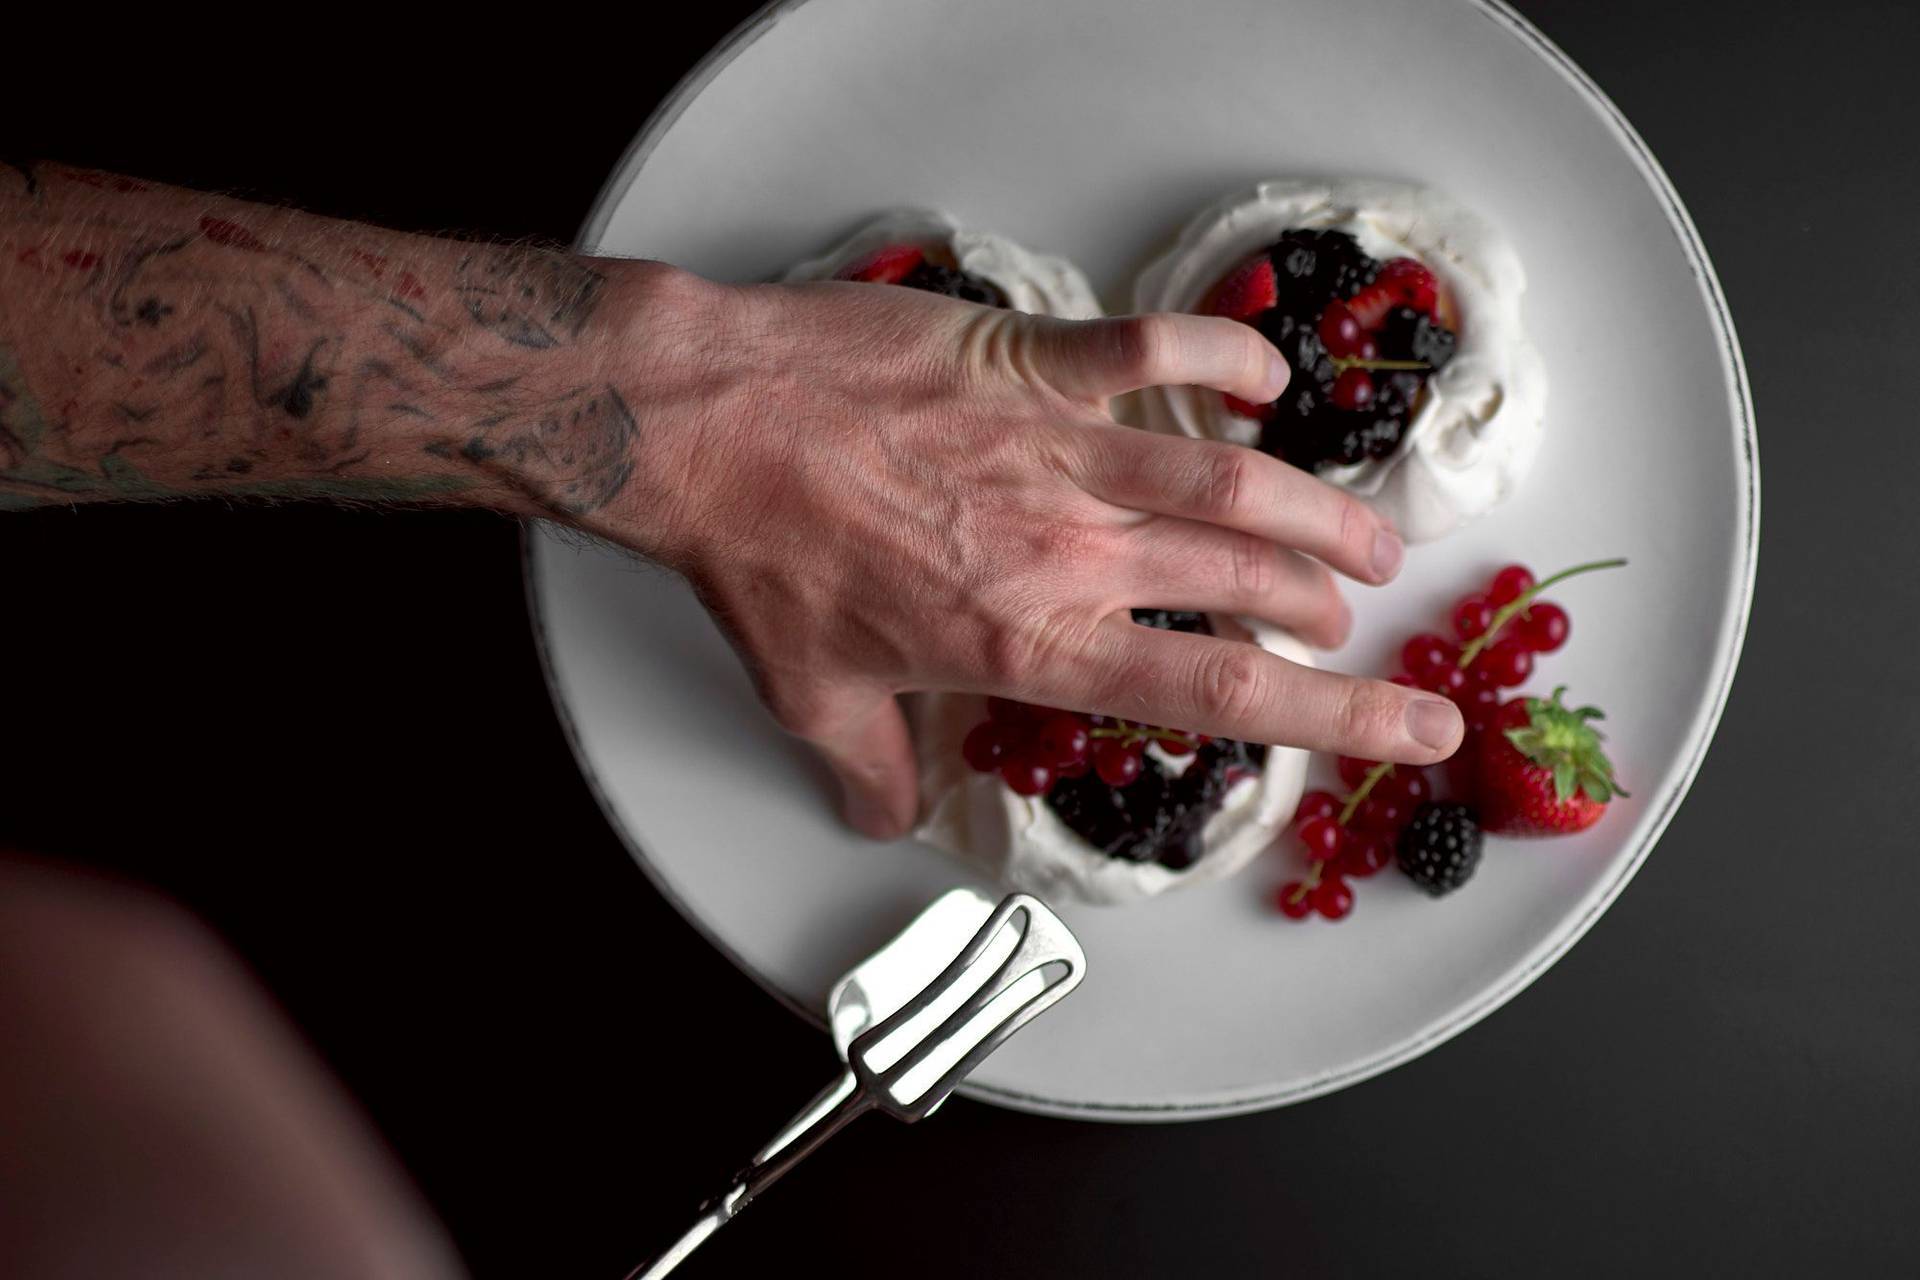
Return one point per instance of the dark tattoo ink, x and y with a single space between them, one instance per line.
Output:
530 297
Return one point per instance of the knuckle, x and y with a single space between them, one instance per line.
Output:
1253 574
1364 714
1355 532
1232 684
1226 479
1143 346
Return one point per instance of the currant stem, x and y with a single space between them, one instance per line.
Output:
1362 791
1518 605
1343 363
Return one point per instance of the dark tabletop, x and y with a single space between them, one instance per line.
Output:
326 731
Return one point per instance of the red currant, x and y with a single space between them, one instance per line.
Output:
1177 745
1405 682
1510 584
1472 616
1426 651
1505 663
1381 815
1366 856
1333 899
1316 804
1008 712
1117 763
1352 390
1340 333
1449 681
1543 627
1060 740
1323 837
984 748
1026 778
1406 784
1480 705
1295 900
1369 349
1353 770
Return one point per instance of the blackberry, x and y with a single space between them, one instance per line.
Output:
1440 847
1315 266
931 277
1411 335
1396 392
1383 436
1158 817
1174 620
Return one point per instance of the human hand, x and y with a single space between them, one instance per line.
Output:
876 490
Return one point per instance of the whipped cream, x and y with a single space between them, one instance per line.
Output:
1023 844
1037 283
1478 426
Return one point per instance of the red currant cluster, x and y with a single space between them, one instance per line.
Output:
1346 328
1350 836
1499 632
1030 747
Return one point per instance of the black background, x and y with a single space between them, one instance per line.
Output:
326 731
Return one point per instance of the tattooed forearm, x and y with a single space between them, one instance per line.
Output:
156 343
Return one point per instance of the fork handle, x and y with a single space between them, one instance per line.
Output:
793 1145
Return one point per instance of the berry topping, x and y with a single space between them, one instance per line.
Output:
1324 838
1318 297
1352 390
909 265
1440 847
1316 804
1542 770
1098 776
1246 291
885 266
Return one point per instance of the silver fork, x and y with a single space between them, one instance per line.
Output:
1021 962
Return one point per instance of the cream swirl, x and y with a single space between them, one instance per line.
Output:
1023 844
1478 426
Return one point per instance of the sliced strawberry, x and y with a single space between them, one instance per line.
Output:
1371 306
1247 290
1412 284
885 266
1263 412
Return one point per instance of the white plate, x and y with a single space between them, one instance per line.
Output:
1093 128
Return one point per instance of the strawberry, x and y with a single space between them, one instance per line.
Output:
1247 290
1264 412
1402 282
884 266
1541 769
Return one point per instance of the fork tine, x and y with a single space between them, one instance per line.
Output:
1043 942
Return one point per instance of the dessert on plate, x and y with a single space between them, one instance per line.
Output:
927 249
1413 385
1097 809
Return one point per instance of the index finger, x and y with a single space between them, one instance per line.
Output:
1231 689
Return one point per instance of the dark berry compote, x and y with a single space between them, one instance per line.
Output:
1099 778
918 268
1362 336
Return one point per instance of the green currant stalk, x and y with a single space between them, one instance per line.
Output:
1518 605
1343 363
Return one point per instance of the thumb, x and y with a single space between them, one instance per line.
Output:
871 752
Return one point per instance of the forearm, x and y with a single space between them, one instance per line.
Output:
160 343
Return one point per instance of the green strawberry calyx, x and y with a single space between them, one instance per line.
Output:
1561 740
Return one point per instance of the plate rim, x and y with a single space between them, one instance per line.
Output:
1735 616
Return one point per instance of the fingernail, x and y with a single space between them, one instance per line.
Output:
1279 374
1388 552
1433 722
